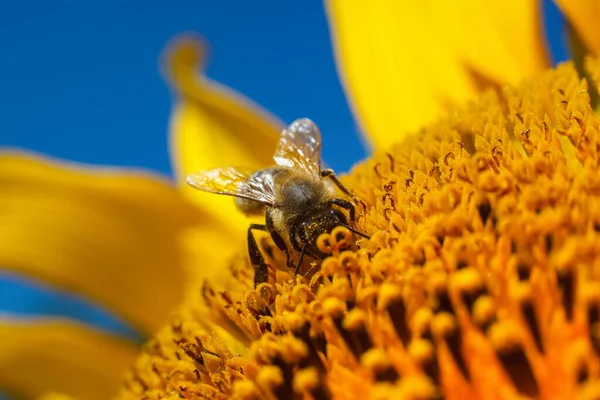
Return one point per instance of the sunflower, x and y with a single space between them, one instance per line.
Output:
480 279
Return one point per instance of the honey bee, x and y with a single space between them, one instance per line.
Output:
297 196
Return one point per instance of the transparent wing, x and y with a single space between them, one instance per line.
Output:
300 146
235 181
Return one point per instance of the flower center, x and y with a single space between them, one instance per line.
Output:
481 278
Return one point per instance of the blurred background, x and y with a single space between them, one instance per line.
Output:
80 81
84 85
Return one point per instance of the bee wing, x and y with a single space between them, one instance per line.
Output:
235 181
300 146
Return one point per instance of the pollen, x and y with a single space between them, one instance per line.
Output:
481 279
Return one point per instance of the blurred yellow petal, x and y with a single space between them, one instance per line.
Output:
501 40
41 356
402 63
583 16
213 126
55 396
395 70
104 233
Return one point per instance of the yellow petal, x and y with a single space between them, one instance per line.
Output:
107 234
583 15
213 126
403 62
501 40
53 355
55 396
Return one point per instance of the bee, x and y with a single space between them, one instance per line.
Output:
297 197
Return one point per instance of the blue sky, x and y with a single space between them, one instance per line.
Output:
81 81
81 78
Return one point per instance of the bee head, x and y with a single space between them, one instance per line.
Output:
319 222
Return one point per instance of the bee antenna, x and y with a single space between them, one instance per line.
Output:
359 233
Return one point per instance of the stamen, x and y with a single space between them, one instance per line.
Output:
566 282
353 331
517 367
453 339
593 315
397 312
529 315
481 270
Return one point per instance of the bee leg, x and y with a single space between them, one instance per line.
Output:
300 259
350 207
345 204
261 272
296 245
279 242
328 173
294 238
